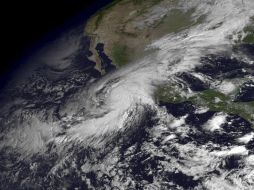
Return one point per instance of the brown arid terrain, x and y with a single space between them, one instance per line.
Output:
126 27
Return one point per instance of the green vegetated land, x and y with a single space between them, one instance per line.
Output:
120 54
249 38
249 30
214 100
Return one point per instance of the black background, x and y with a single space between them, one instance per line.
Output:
24 23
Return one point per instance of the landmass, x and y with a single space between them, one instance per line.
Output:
126 27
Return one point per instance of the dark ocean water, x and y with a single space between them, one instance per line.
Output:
78 21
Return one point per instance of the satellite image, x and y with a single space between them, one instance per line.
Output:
142 95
